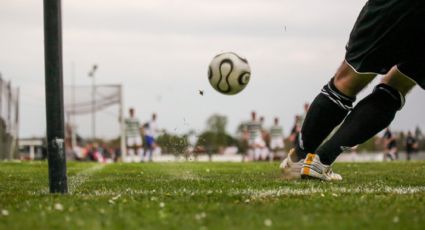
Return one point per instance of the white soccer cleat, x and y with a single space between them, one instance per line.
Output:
314 169
290 168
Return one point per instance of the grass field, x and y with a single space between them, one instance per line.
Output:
212 196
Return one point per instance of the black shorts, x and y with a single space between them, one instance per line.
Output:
392 144
389 33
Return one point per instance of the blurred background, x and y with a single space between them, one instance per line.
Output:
152 55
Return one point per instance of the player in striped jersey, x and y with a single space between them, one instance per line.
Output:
132 135
255 139
276 138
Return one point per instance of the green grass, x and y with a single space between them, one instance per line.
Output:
212 196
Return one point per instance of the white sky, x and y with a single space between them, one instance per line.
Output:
160 49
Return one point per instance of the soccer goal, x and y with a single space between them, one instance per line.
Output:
94 113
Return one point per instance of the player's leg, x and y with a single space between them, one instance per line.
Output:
408 154
257 148
251 152
265 152
138 148
151 148
257 153
371 115
151 145
272 153
154 147
395 151
130 150
330 107
273 149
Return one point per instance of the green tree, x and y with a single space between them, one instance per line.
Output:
217 123
215 137
174 144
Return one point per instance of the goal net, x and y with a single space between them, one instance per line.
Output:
94 113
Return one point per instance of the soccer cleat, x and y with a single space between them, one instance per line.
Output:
314 169
291 169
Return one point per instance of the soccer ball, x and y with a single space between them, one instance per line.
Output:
229 73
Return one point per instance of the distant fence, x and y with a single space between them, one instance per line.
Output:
9 120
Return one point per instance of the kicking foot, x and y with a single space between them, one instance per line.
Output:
314 169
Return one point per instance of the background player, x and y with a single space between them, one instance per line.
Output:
255 140
276 138
411 145
390 145
133 137
150 133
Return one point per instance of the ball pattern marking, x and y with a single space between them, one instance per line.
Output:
226 68
209 73
244 78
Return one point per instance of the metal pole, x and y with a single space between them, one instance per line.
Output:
18 98
73 123
123 147
93 105
93 115
54 96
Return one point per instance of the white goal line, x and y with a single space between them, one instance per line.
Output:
264 193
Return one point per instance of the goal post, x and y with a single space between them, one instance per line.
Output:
123 144
54 96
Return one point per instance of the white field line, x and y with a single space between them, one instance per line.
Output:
184 175
334 191
267 193
80 178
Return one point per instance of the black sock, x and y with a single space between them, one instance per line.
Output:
370 116
328 109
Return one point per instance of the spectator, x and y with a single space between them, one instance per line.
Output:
411 145
390 145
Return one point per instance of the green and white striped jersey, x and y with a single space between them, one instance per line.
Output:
132 127
254 129
276 131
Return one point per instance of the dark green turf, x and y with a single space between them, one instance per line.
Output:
212 196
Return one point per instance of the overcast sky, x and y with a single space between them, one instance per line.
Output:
159 50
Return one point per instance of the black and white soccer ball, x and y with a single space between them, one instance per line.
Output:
229 73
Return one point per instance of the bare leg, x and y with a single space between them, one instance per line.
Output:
398 81
349 82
